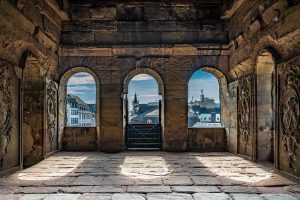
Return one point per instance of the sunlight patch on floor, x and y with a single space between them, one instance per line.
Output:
51 172
144 167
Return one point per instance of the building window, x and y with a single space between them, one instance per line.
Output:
203 100
81 100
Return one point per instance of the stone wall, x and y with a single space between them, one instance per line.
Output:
143 23
207 139
79 139
289 116
261 29
173 39
9 118
29 33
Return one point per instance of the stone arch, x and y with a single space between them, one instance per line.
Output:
62 99
160 84
148 71
223 91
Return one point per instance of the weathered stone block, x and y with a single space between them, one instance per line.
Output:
77 26
162 25
104 25
159 12
108 38
179 37
141 38
78 38
103 13
207 139
185 12
132 26
79 139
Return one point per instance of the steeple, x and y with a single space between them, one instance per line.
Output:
135 100
202 96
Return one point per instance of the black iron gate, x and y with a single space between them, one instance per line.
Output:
143 135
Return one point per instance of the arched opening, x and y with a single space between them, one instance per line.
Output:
265 106
204 106
81 101
143 109
79 106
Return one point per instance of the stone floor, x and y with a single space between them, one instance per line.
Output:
147 175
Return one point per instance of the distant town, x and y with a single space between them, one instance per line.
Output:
147 113
204 112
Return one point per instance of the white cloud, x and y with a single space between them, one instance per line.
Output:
75 92
142 77
79 87
91 101
79 80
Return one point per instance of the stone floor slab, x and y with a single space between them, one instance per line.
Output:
211 196
205 180
126 196
195 189
91 196
62 197
278 197
177 180
172 196
149 189
33 197
246 197
239 189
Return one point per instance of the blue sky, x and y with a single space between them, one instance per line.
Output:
83 85
145 86
206 81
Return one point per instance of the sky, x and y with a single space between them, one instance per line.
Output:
206 81
145 86
83 85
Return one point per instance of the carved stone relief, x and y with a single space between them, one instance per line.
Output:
51 110
289 108
244 112
6 114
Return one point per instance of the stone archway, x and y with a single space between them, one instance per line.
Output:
62 108
198 136
160 84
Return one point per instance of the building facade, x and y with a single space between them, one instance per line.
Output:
79 113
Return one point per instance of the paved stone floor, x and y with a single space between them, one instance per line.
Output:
147 175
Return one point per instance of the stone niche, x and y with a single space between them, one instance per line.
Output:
79 139
9 118
207 139
33 120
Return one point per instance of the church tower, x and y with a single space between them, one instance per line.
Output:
135 104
